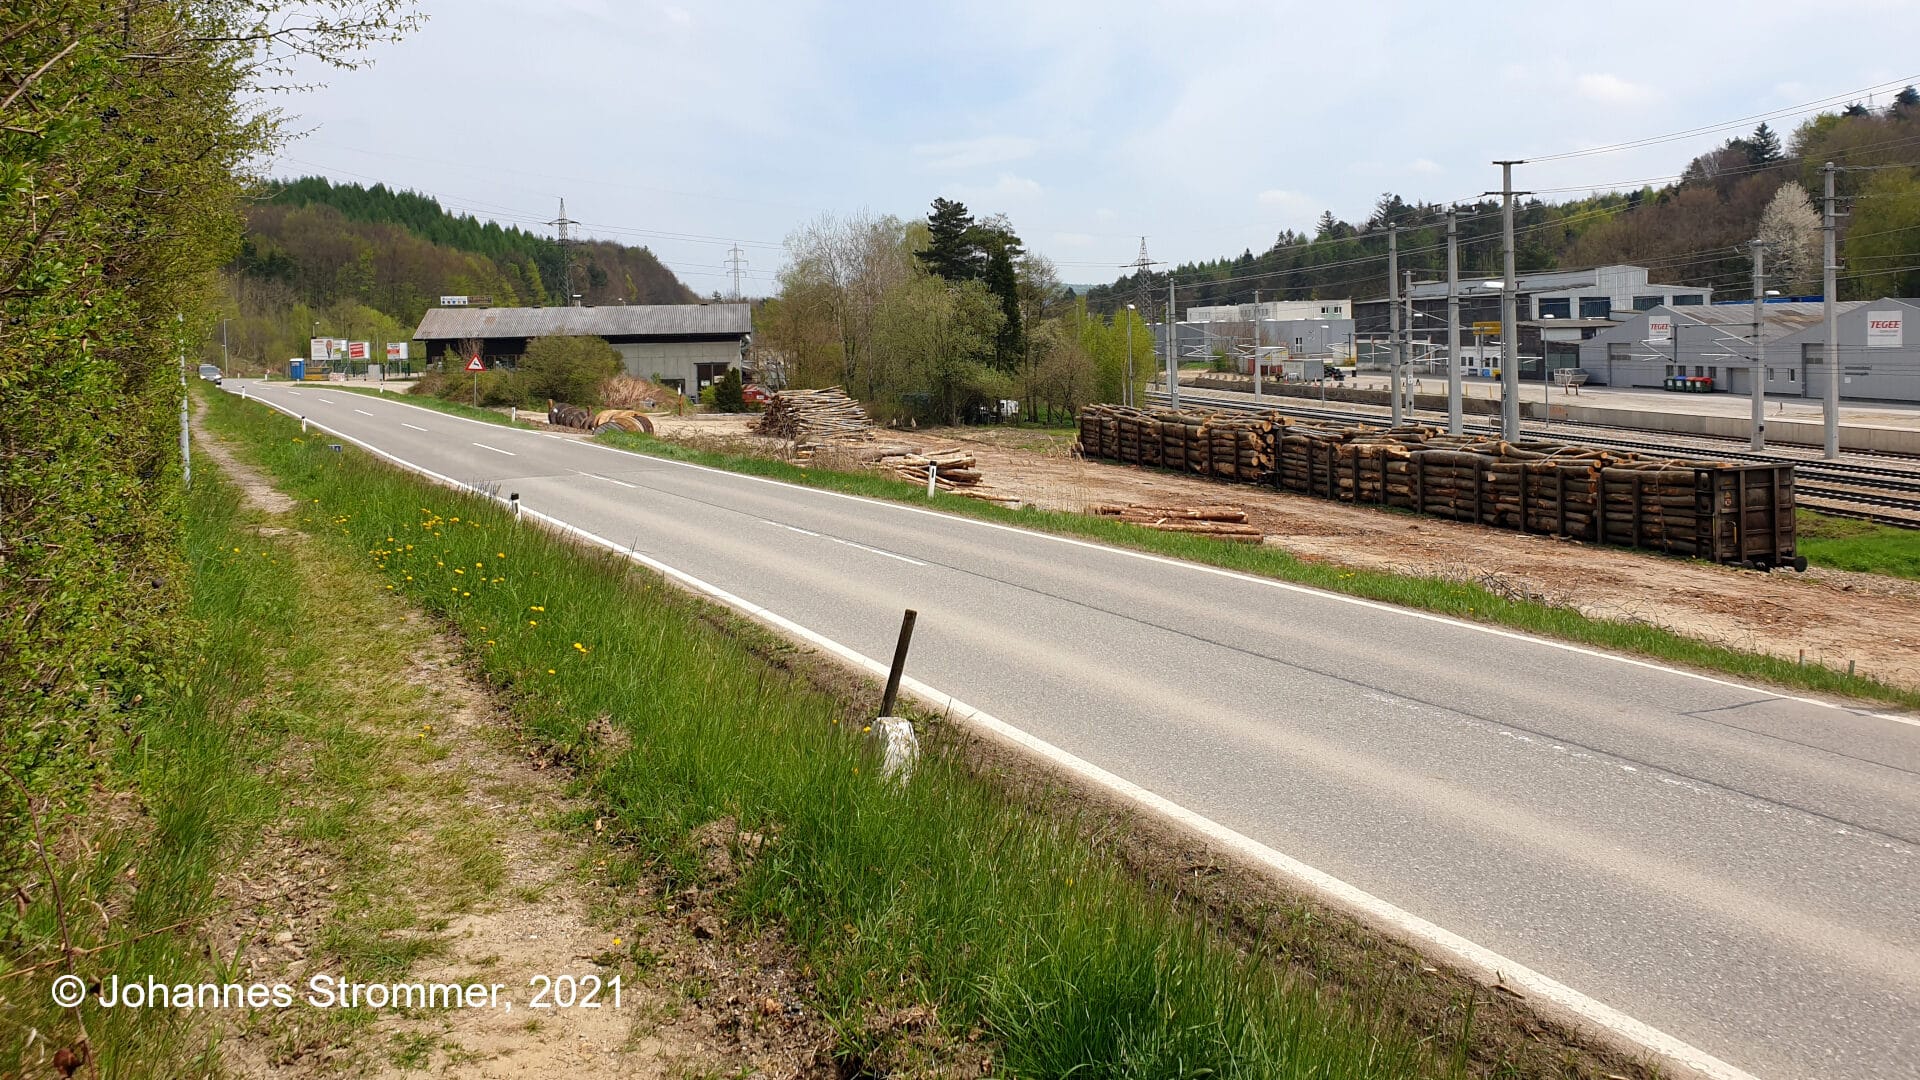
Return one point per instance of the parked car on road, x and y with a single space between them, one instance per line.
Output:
211 373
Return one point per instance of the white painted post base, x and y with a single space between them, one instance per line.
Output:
892 738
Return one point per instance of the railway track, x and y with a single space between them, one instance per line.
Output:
1885 490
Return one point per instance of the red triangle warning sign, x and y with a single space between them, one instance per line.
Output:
474 364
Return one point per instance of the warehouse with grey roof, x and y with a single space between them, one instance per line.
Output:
684 346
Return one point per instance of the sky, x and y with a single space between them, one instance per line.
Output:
1206 126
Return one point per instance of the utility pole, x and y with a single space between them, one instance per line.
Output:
737 260
1173 365
1393 315
1828 287
225 361
1758 439
1455 425
563 226
1509 331
1126 392
1404 385
1256 345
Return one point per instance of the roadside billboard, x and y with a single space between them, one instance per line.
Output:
396 350
359 350
323 350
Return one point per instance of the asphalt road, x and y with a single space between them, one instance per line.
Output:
1734 867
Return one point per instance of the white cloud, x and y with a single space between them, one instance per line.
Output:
1072 239
1283 199
1425 166
676 15
1008 191
960 155
1612 89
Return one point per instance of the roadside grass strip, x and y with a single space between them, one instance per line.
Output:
941 890
178 790
1456 599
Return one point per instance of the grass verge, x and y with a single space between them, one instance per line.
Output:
1848 544
1458 599
122 890
941 890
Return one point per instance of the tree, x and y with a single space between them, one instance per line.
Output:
1764 147
1790 231
934 341
953 243
566 369
1003 281
1879 241
1905 102
728 395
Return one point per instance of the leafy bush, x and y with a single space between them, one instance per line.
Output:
568 369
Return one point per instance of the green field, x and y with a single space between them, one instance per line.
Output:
1846 544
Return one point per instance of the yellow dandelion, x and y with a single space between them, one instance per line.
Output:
550 671
616 941
533 622
499 554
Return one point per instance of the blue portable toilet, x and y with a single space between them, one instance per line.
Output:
296 370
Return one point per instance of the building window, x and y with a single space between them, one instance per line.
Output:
1669 371
1687 299
1793 374
1555 307
1596 307
1645 303
1699 371
1713 373
1769 374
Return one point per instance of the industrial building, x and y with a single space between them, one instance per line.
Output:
1587 297
1277 339
1877 361
1273 311
683 346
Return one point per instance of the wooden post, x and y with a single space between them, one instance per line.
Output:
899 662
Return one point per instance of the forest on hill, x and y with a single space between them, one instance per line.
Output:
364 263
1693 230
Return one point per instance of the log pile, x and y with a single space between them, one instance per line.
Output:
1707 509
1223 522
1584 493
814 417
1232 447
952 468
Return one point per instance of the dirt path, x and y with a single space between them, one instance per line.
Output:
426 841
1833 616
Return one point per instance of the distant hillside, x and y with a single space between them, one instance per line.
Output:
1693 231
366 262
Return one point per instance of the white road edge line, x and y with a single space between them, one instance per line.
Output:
1287 586
608 479
1490 965
496 449
415 427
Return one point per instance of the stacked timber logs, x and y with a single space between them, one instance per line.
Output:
813 417
1224 522
951 468
1233 447
1708 509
